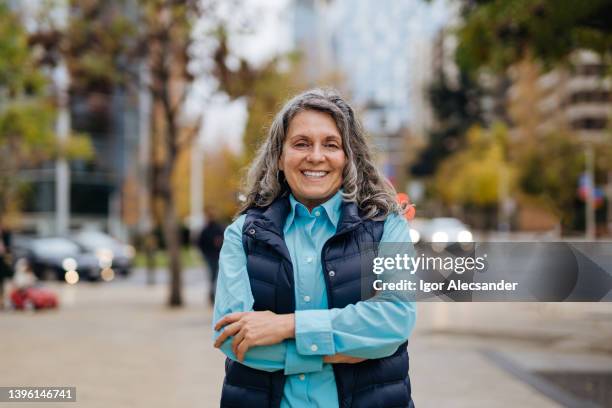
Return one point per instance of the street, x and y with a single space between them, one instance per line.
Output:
121 346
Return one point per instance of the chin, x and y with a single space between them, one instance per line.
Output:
318 195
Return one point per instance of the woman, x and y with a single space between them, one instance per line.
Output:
289 311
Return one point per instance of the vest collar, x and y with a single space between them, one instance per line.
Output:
349 217
273 218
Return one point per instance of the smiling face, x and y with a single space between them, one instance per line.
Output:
313 157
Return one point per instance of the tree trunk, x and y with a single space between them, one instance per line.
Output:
173 249
150 248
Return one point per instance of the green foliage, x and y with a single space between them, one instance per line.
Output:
27 125
25 138
549 172
497 33
97 44
26 114
472 175
77 147
18 72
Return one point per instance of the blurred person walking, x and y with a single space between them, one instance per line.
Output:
5 260
209 243
290 313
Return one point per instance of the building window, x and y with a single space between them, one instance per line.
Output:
590 70
589 124
600 96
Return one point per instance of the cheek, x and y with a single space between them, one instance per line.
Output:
289 164
340 163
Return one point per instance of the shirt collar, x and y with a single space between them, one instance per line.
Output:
332 208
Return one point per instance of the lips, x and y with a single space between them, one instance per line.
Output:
314 174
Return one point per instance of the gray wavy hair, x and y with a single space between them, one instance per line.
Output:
362 182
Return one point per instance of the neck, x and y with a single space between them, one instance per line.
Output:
311 204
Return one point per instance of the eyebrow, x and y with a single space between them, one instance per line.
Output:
328 137
335 138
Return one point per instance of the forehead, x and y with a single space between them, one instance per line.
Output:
313 123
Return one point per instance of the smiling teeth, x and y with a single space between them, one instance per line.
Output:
314 173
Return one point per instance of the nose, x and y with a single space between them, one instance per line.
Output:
316 154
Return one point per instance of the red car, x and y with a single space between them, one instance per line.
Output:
33 298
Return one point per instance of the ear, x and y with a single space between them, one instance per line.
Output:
280 163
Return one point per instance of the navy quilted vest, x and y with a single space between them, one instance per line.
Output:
382 383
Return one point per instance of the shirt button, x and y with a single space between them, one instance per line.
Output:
317 213
314 347
309 259
302 377
306 298
332 273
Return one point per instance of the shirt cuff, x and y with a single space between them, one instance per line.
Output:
296 363
313 332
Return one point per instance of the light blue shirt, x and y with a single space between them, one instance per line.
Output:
368 329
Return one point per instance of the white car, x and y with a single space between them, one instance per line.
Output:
446 230
417 227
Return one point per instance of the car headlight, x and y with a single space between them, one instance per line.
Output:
414 235
71 277
104 254
105 257
69 264
439 236
464 236
130 251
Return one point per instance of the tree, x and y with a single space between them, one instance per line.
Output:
26 116
533 37
472 175
167 29
265 88
497 33
223 189
104 44
456 109
549 173
26 113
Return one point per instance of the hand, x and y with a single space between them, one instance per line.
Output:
254 329
342 359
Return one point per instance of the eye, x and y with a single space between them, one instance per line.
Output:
332 145
300 144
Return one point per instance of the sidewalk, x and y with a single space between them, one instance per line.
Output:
453 345
121 347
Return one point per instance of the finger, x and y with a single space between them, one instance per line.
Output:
243 347
236 341
229 318
230 330
227 332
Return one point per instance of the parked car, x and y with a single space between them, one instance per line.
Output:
445 230
55 256
110 252
34 297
